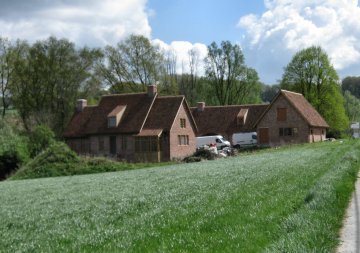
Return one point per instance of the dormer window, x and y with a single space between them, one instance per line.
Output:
241 117
114 117
112 122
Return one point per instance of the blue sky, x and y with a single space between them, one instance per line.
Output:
200 21
270 32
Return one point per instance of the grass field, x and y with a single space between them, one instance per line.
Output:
283 200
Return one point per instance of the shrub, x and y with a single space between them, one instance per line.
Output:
13 150
40 139
57 160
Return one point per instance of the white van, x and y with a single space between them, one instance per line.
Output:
214 139
241 140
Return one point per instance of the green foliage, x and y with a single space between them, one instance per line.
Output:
59 160
48 76
13 150
40 139
352 106
351 84
232 82
311 73
269 92
280 200
134 62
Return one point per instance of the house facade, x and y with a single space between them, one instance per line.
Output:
226 120
134 127
290 119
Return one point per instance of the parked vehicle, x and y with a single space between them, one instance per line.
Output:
218 140
242 140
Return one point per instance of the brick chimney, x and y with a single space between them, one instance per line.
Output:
200 106
152 90
81 104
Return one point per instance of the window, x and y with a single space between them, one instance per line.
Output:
146 144
281 114
182 123
101 143
183 140
112 122
288 131
123 143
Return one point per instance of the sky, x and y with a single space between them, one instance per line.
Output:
269 32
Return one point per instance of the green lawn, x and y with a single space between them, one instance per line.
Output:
285 200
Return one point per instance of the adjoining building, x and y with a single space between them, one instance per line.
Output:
288 119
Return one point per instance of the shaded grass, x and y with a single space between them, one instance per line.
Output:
285 200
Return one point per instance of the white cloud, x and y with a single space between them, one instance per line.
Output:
180 49
288 26
94 23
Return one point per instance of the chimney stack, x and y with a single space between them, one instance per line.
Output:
81 104
200 106
152 90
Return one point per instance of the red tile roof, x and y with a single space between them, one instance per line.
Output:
219 119
307 111
143 115
138 106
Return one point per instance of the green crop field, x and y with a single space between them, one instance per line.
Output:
280 200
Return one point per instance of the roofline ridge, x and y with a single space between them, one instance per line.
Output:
219 106
293 92
123 94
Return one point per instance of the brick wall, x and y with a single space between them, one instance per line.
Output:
317 134
293 120
180 151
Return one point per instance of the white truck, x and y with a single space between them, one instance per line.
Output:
214 139
242 140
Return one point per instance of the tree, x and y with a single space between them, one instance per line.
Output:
6 73
352 106
49 76
352 84
134 61
311 73
269 92
231 80
188 81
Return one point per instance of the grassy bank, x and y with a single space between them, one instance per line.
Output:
285 200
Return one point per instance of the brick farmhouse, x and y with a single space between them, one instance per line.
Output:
148 127
288 119
134 127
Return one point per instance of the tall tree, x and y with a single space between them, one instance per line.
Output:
352 106
352 84
6 73
134 61
311 73
232 81
269 92
188 81
49 76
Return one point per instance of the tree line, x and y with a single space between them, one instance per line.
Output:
43 80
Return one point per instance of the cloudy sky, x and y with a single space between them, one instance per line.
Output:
269 31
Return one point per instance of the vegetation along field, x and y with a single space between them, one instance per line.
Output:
280 200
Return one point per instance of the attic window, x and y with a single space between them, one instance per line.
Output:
241 117
112 122
182 123
115 116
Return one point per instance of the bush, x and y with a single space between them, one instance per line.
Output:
40 139
57 160
13 150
